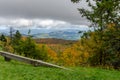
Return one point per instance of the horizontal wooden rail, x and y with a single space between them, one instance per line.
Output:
8 56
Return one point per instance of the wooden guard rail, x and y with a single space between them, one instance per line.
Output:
8 56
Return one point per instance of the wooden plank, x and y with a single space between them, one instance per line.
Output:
29 60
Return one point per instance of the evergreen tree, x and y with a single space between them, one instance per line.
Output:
29 48
2 38
16 42
17 37
3 42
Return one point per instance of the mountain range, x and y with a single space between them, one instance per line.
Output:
67 34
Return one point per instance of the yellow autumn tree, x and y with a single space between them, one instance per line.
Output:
74 55
52 55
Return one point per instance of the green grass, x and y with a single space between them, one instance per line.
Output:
19 71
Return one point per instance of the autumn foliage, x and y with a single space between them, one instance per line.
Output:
98 48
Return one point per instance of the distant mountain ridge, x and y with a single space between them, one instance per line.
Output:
67 35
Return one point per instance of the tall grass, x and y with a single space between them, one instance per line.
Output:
19 71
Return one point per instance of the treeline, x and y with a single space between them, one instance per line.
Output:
24 46
95 48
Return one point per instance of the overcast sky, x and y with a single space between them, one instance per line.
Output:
40 12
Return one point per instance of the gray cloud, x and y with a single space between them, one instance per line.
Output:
63 10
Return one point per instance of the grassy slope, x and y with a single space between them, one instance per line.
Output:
19 71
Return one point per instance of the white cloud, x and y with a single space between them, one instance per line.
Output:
38 23
21 22
48 22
